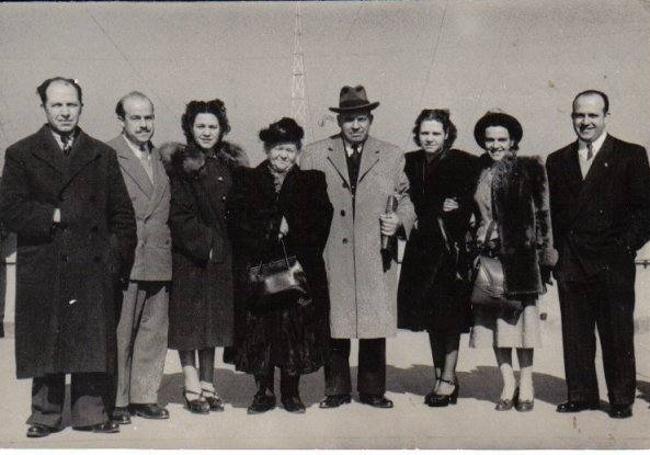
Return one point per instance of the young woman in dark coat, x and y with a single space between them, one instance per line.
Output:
431 293
201 299
277 201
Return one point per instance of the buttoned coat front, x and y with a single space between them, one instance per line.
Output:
363 293
66 276
153 256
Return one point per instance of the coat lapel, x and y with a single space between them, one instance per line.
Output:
159 181
336 157
49 151
82 153
369 157
132 166
597 172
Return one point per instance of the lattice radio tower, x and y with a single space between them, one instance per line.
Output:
298 99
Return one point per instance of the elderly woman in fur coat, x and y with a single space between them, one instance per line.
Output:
201 299
512 201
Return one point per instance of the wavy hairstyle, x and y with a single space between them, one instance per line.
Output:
439 115
194 108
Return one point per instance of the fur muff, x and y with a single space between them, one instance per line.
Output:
520 202
189 159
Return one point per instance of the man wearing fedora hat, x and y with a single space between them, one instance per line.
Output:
362 173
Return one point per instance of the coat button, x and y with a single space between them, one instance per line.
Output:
345 185
219 179
223 198
342 212
345 241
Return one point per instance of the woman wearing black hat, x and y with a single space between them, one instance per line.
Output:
274 204
431 293
513 225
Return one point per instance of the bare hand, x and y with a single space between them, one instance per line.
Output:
449 205
284 228
389 223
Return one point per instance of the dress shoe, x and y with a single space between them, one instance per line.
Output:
436 400
149 411
620 411
577 406
506 404
214 401
105 427
524 405
121 415
334 401
196 405
261 403
38 430
376 401
293 404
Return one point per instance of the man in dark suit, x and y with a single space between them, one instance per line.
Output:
600 210
142 329
63 195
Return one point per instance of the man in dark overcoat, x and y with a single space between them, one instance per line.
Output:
143 324
600 211
62 193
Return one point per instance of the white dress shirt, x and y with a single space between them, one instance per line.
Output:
583 150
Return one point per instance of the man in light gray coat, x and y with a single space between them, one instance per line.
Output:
142 329
362 173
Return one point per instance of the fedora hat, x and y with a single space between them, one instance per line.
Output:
498 118
354 99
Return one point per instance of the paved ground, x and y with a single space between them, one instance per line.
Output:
471 424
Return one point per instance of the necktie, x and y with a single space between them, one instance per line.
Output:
66 140
146 162
590 151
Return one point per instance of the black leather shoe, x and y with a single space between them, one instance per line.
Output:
121 415
376 401
198 405
577 406
40 431
149 411
105 427
620 411
261 403
334 401
293 404
214 401
435 400
524 405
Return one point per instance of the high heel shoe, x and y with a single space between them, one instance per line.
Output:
506 404
197 405
435 400
215 403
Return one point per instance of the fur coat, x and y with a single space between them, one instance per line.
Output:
520 206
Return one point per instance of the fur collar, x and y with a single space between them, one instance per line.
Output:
189 159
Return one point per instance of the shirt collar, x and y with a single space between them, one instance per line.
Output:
596 146
136 148
349 149
58 139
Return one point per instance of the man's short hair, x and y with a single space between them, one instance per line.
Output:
42 89
119 107
593 92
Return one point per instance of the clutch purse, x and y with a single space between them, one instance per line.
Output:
279 276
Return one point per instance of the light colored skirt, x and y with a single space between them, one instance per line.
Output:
494 328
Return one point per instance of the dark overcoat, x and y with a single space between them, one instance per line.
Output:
520 207
429 295
295 336
66 276
201 299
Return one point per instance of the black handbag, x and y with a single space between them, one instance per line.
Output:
488 281
284 275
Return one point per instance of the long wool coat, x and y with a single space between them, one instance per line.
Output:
153 254
520 206
363 293
283 332
430 297
201 300
66 276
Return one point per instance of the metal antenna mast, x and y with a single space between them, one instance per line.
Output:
298 100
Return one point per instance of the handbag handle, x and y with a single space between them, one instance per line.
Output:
286 256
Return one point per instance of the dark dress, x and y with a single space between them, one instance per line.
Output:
280 332
201 299
430 296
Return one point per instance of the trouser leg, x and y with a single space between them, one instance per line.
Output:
337 368
577 307
89 398
615 322
371 377
48 397
126 332
150 343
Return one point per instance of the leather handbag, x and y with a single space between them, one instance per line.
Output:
488 282
279 276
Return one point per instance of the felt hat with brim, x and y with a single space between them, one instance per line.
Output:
495 118
354 99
